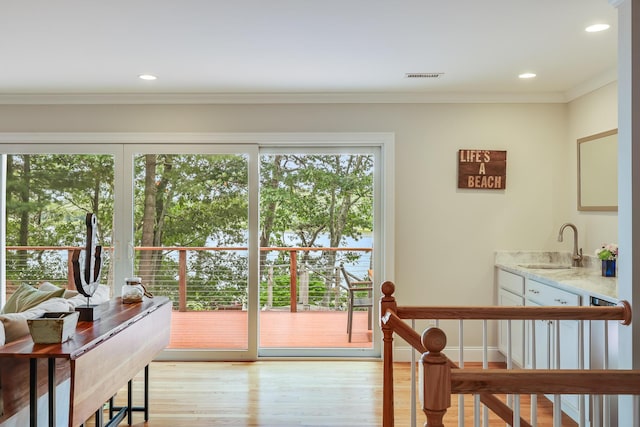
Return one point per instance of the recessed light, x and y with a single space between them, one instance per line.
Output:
147 77
597 27
527 75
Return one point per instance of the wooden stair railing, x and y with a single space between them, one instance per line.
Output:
442 376
413 338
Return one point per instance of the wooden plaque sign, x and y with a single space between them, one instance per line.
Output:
482 169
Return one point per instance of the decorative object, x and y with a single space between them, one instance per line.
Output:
87 281
609 267
608 254
132 291
53 327
482 169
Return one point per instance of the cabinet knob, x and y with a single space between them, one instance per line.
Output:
559 301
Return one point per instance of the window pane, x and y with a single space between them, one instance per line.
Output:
191 219
316 216
48 197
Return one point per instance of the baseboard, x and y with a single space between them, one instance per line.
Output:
471 354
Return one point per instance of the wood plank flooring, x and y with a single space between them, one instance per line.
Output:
284 393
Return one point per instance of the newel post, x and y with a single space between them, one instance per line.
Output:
436 377
387 302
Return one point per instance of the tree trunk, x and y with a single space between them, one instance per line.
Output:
24 200
23 237
269 209
164 195
145 267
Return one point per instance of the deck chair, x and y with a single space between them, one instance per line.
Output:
360 295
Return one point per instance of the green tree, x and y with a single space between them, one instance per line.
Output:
48 197
311 195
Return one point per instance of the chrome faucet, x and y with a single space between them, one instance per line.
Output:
577 254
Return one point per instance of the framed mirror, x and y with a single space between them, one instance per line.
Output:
598 172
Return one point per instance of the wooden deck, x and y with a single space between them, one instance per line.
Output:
227 329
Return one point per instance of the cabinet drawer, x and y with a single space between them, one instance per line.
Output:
548 295
511 282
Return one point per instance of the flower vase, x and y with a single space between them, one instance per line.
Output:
609 268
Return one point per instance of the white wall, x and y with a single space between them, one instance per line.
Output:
590 114
445 237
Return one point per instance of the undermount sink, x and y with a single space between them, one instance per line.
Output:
545 266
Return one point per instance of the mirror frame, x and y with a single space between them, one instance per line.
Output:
590 138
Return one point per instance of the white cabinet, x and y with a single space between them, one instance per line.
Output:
506 298
550 343
510 293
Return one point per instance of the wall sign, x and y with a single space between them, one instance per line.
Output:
483 169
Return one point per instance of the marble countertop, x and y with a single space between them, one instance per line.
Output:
585 280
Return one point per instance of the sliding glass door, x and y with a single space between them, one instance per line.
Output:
250 236
47 193
316 238
192 220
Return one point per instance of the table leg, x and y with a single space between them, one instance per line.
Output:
33 392
146 393
99 418
128 410
130 402
52 392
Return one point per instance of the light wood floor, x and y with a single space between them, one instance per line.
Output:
283 393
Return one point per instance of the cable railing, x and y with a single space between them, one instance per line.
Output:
209 278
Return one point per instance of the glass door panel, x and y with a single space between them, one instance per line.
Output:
317 211
191 243
47 198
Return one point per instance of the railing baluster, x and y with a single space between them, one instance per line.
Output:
606 400
485 364
557 402
581 360
413 381
476 410
510 401
461 364
532 363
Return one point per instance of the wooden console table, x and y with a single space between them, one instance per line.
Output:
99 359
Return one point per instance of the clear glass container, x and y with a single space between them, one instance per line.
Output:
132 291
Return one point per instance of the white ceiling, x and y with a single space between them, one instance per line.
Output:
336 49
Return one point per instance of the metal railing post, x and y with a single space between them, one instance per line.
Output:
182 280
293 267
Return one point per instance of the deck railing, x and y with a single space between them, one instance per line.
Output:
174 278
441 377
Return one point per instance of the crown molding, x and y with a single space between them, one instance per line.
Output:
279 98
602 80
266 138
311 98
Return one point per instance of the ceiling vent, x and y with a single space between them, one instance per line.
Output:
423 75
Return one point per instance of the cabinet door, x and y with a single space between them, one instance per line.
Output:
539 345
570 359
506 298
